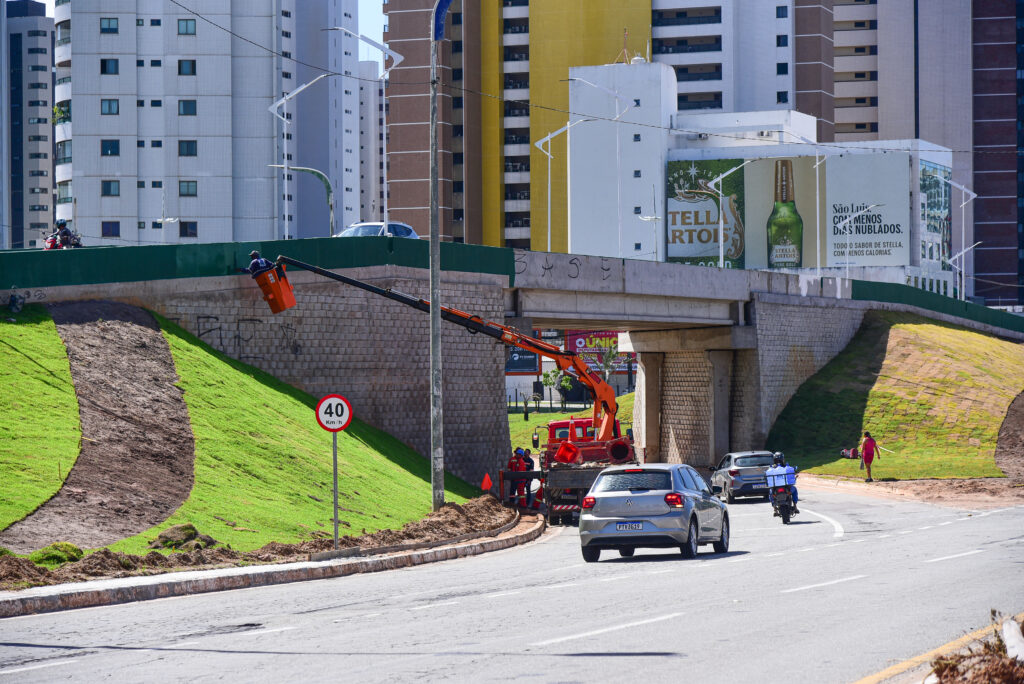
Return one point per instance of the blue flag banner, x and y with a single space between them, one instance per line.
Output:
442 12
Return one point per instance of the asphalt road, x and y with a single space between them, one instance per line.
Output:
854 585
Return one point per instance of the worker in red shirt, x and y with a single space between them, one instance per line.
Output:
515 465
868 450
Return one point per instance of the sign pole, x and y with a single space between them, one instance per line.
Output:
334 436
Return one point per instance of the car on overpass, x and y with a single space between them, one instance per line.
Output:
371 228
655 505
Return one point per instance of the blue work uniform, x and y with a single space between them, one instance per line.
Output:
259 265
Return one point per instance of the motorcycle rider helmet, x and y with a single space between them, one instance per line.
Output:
60 223
779 458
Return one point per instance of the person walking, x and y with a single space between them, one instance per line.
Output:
528 467
868 451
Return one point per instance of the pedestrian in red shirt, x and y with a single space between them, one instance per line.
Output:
868 450
515 465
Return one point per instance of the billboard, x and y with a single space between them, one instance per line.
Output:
936 214
590 344
774 209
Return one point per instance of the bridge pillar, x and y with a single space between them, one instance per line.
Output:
647 406
721 391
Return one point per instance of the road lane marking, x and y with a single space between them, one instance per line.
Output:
740 560
948 522
905 532
265 631
38 667
858 541
967 518
434 605
181 644
829 546
959 555
884 536
926 527
837 529
659 572
823 584
615 578
773 555
560 586
502 593
605 630
809 548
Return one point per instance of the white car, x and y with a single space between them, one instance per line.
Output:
365 228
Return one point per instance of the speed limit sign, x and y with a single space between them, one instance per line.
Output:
334 413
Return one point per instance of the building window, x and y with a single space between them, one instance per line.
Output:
156 143
456 46
110 229
37 34
188 148
781 40
286 34
186 67
39 67
188 188
38 86
456 103
456 131
782 97
140 103
636 173
457 186
140 185
140 62
38 103
155 63
186 27
142 225
108 67
782 68
38 207
157 224
37 138
110 148
186 107
188 229
154 22
108 25
156 103
38 155
140 22
37 51
636 137
38 120
140 143
108 107
781 12
456 157
636 210
286 74
110 188
456 74
156 184
38 174
286 13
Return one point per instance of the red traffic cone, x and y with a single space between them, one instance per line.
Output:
486 484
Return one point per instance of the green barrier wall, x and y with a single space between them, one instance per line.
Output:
904 294
38 268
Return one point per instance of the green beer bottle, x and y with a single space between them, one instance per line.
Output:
785 227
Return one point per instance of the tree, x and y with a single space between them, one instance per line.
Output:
607 360
557 379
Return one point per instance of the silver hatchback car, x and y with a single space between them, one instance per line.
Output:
656 505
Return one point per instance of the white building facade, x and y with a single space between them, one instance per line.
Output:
371 135
167 136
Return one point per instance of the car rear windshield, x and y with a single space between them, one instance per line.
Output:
622 482
751 461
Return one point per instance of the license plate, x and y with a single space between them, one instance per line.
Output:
624 527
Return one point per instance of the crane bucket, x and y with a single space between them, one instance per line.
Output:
277 291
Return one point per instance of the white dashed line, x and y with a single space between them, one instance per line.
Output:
560 586
659 572
774 555
37 667
948 522
809 548
434 605
905 532
615 628
967 518
959 555
823 584
926 527
182 644
615 578
265 631
502 593
858 541
838 530
884 536
740 560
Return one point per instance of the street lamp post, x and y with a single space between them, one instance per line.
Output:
960 269
849 232
963 229
283 116
437 18
396 59
618 156
717 184
327 185
540 146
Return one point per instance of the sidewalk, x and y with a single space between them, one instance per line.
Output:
127 589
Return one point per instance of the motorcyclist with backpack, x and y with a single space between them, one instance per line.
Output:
781 469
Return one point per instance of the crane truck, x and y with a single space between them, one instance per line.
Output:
576 449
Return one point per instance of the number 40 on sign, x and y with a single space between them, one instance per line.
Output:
334 413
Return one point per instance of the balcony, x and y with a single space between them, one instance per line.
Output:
688 74
62 160
513 177
693 101
685 46
517 205
686 17
517 150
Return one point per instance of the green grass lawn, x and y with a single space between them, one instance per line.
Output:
261 458
521 431
933 393
40 433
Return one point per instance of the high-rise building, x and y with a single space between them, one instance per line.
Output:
172 136
5 136
28 110
371 137
997 29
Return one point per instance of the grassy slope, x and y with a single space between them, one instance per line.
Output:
40 432
261 457
521 431
933 393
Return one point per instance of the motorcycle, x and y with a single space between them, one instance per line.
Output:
54 241
782 502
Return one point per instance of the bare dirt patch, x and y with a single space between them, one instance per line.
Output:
135 466
482 514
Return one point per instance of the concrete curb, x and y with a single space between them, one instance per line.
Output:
124 590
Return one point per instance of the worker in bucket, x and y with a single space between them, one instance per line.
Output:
258 264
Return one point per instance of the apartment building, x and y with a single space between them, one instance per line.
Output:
171 135
5 136
371 139
28 111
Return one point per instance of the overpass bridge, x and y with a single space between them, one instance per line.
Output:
720 353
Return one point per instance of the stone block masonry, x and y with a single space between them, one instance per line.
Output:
686 406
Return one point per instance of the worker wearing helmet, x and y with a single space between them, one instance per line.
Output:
258 264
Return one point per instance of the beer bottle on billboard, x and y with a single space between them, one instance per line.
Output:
785 227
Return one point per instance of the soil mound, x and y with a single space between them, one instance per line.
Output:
134 421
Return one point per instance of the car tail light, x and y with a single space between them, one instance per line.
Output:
588 502
733 472
634 470
674 500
